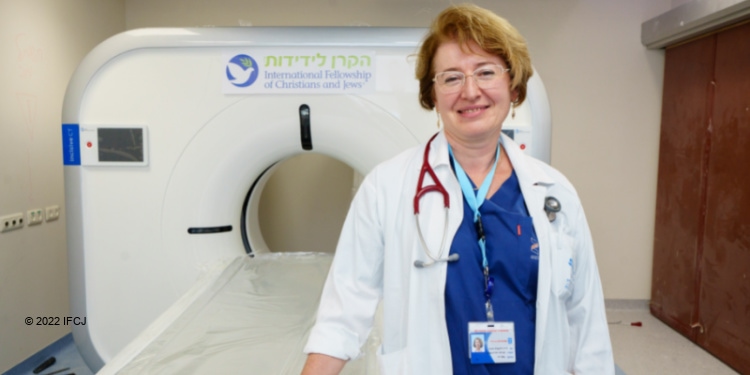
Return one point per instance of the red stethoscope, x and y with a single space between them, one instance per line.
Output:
437 186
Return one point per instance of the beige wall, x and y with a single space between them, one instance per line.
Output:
604 87
676 3
41 43
304 203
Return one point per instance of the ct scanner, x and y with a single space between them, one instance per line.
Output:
169 135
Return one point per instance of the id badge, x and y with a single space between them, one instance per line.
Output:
492 342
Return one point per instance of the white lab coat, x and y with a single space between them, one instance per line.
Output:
379 244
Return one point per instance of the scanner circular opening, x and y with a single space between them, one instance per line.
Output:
298 205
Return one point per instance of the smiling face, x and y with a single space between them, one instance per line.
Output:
472 113
477 343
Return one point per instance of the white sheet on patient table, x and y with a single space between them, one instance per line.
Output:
254 318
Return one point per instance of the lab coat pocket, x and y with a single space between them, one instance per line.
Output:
562 266
393 362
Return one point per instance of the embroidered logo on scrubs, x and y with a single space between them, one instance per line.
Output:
534 249
242 71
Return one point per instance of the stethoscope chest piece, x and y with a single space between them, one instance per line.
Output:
552 207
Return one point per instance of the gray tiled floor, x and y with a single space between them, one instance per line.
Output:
655 348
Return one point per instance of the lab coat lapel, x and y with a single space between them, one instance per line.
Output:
428 332
534 184
441 160
431 205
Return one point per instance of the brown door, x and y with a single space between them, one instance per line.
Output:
725 266
686 104
701 274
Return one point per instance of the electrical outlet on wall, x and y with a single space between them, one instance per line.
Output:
53 212
35 216
11 222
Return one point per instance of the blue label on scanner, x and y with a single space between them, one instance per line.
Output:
71 138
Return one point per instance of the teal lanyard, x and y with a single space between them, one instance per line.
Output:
475 201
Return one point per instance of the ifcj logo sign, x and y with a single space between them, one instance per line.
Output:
242 71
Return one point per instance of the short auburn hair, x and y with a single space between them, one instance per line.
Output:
468 23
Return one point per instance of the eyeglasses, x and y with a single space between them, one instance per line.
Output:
486 77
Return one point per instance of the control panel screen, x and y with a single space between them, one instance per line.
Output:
120 145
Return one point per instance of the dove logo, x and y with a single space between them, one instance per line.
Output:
242 71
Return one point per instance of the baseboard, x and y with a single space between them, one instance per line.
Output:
627 304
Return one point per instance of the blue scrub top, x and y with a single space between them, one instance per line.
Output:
513 257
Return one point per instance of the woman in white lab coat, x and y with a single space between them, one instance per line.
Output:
496 265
